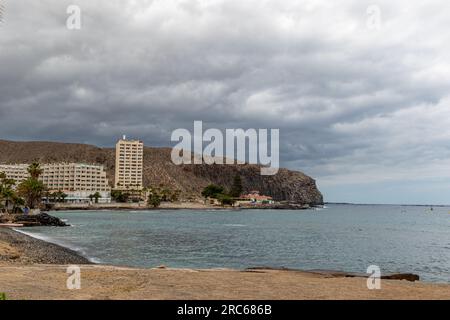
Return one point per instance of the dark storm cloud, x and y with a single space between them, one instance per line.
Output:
354 105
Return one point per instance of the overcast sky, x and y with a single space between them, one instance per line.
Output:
363 107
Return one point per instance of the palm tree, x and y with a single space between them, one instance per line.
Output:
63 197
7 193
60 196
7 196
53 197
35 170
17 203
32 189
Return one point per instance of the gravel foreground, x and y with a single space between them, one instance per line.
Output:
18 248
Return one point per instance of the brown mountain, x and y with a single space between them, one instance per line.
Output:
286 185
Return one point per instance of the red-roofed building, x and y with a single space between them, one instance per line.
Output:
256 197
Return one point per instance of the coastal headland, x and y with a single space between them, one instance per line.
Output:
34 269
159 170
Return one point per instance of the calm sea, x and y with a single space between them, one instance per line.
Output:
338 237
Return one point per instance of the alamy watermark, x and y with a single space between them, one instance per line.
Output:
73 21
2 10
74 279
374 20
374 280
229 148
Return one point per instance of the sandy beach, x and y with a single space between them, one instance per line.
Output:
108 282
34 269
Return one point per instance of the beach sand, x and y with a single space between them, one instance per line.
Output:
23 275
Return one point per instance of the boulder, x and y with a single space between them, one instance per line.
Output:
42 219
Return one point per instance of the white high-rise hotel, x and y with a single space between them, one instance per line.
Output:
129 164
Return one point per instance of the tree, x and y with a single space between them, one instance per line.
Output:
119 196
97 196
32 189
236 189
7 193
212 191
59 196
7 196
225 199
17 203
165 194
175 196
35 170
154 200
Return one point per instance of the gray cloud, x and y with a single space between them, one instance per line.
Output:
356 108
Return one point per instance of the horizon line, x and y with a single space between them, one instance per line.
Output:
386 204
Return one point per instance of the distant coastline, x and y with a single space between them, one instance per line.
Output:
388 204
175 206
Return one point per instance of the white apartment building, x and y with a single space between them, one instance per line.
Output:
77 180
129 164
17 172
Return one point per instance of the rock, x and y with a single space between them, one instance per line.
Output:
342 274
402 276
390 276
42 219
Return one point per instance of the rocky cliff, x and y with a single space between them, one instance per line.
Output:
286 185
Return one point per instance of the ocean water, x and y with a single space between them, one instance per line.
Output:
338 237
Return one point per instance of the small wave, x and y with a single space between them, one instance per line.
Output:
235 225
319 208
35 235
94 260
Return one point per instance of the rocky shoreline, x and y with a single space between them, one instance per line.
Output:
18 248
34 220
38 220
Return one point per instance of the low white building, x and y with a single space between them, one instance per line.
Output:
77 180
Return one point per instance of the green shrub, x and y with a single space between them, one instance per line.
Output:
225 199
212 191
